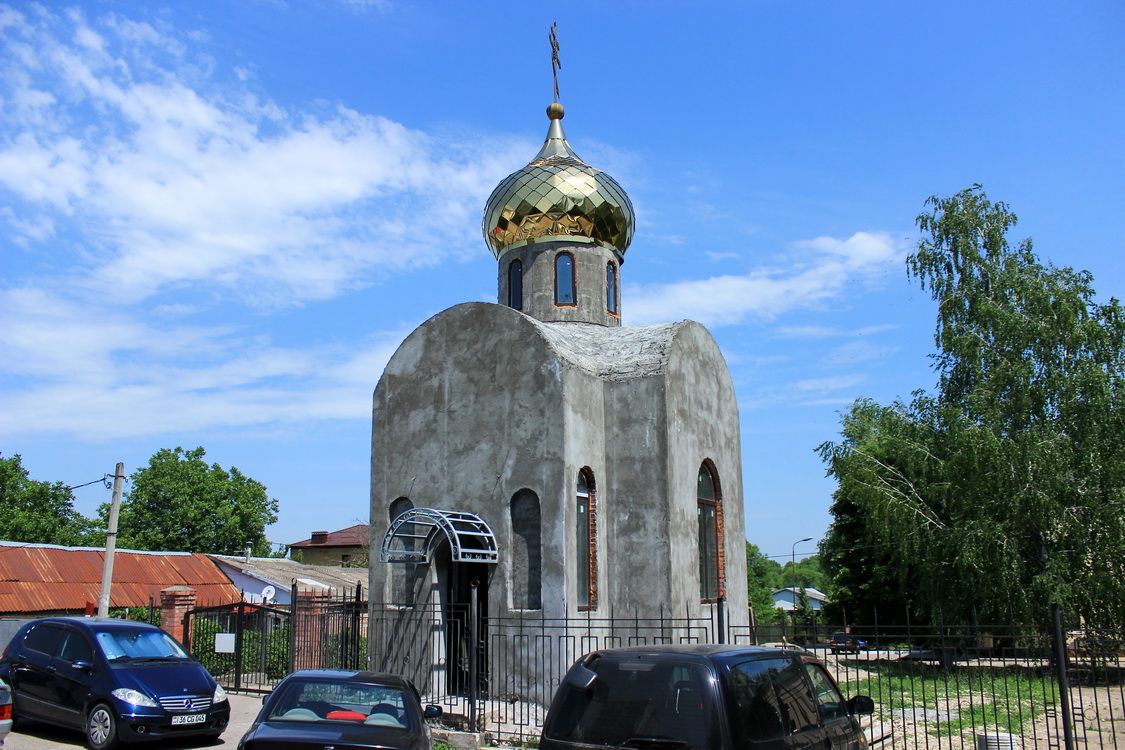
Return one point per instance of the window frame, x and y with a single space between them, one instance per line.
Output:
586 555
515 271
612 290
573 279
704 507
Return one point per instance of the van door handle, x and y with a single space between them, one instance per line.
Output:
52 669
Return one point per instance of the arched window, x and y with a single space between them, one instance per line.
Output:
586 541
515 284
527 551
402 574
566 291
709 505
611 287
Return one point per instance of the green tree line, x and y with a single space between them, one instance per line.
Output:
1002 491
176 502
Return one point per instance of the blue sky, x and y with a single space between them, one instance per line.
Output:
220 219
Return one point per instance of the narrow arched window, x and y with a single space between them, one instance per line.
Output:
566 291
402 574
709 507
527 551
611 287
515 284
586 541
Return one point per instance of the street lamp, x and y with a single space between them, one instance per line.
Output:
793 550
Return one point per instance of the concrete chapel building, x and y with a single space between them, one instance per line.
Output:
563 462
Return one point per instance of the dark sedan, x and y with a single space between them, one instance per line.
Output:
322 708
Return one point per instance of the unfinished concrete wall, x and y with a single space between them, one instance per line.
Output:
703 424
468 412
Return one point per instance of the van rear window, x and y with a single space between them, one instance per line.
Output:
640 704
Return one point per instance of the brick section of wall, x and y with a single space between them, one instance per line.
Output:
175 602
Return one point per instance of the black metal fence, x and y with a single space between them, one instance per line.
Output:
934 687
249 646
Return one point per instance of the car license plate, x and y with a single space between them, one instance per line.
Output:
182 719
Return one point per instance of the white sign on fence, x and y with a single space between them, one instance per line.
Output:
224 643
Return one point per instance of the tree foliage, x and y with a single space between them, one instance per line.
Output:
1004 491
179 502
763 575
37 512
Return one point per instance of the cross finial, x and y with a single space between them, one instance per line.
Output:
555 64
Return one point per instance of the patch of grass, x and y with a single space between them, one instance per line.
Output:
964 698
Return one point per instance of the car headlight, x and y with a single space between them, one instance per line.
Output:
135 697
220 694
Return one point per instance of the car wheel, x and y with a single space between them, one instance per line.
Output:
101 728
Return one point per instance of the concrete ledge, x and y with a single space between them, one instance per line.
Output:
460 740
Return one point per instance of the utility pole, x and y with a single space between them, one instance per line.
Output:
111 540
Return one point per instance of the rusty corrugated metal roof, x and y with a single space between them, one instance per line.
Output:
48 578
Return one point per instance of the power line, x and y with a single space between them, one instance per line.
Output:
106 479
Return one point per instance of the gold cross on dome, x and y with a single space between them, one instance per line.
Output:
555 64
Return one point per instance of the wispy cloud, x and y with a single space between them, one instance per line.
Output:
818 270
175 176
110 375
143 187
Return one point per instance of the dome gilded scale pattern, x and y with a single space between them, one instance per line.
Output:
557 196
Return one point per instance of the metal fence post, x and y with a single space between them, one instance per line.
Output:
474 609
355 627
1060 673
238 646
722 624
293 628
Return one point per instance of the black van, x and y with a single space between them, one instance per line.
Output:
112 679
702 698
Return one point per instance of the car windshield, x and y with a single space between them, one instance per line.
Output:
639 703
373 705
138 644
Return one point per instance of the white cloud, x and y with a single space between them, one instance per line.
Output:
100 374
828 384
820 269
857 352
164 190
174 178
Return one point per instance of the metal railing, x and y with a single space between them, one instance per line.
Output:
934 687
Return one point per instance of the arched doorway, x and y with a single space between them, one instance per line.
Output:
461 549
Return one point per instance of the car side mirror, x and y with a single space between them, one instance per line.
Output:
580 677
861 704
431 712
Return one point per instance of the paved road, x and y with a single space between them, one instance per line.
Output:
35 736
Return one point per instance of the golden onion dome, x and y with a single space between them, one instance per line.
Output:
558 197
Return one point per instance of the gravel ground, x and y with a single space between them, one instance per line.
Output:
36 736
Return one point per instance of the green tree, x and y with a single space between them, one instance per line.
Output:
763 575
804 573
35 511
178 502
1003 491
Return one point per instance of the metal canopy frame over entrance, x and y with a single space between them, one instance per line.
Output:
413 537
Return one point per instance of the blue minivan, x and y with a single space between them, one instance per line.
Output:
115 680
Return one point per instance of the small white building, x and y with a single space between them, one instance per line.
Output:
787 598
